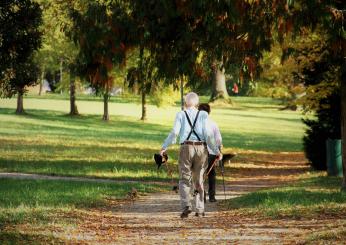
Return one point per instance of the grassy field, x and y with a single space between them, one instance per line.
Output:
47 141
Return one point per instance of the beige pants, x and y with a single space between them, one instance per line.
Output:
193 161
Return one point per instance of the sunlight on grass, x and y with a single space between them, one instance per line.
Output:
25 200
309 197
47 141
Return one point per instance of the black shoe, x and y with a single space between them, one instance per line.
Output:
185 213
212 199
200 214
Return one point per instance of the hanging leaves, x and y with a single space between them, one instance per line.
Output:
102 35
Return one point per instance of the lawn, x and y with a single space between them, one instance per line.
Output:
29 200
47 141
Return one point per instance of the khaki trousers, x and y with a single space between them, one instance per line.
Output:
193 161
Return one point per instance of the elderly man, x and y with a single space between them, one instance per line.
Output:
192 127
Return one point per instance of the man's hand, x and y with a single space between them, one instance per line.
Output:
162 151
219 156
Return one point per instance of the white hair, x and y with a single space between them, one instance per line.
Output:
191 99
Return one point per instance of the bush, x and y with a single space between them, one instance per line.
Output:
327 125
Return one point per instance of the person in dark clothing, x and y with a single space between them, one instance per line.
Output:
212 155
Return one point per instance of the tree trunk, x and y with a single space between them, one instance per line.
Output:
105 106
343 124
182 93
144 104
41 83
61 63
219 90
73 106
20 107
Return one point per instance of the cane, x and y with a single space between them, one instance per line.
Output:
226 157
223 177
211 167
205 177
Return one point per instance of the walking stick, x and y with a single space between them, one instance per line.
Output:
205 177
226 157
211 167
223 178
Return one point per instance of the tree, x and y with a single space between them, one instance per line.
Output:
330 16
58 51
184 33
238 32
26 75
101 35
20 37
219 90
143 79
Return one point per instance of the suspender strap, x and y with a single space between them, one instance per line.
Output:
192 126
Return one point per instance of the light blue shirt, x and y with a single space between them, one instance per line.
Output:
182 129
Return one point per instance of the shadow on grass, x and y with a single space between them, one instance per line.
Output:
74 125
90 127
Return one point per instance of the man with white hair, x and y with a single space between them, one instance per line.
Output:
192 127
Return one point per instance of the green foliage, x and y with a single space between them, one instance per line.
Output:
326 125
57 50
19 38
26 75
101 32
143 76
165 96
184 35
319 71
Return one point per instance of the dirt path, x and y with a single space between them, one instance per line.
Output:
154 218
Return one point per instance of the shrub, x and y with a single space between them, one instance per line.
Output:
326 125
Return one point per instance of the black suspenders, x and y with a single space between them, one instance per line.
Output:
192 126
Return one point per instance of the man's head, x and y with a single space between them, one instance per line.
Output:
204 107
191 99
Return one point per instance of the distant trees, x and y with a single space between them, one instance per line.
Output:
101 33
19 38
58 52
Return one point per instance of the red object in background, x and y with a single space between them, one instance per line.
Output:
235 88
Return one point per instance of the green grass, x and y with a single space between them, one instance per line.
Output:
47 141
28 200
59 203
310 197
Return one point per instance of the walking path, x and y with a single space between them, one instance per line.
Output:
154 218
